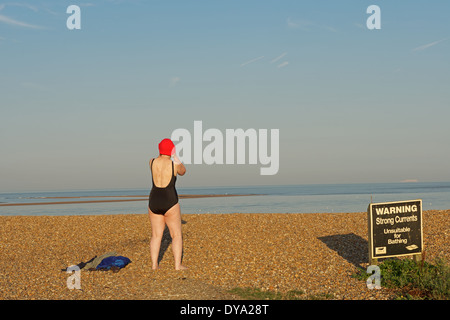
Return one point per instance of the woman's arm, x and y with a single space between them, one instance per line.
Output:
181 169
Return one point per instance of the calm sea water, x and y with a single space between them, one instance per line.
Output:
280 199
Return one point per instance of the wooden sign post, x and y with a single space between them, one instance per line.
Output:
395 229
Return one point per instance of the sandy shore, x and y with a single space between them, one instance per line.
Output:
316 253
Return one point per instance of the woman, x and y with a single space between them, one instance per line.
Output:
163 206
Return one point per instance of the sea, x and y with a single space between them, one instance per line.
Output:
312 198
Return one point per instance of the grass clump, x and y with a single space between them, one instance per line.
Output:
414 280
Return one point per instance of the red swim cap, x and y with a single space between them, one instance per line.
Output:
166 147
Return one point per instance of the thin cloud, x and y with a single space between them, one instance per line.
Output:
329 28
52 12
17 23
278 58
428 45
174 81
292 24
251 61
24 5
307 25
299 24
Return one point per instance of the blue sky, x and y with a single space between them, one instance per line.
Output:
85 109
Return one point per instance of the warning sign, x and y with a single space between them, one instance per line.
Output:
395 228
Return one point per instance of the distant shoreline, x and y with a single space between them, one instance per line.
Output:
141 198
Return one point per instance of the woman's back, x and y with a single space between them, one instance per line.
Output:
163 195
162 171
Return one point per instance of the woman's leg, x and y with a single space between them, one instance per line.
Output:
173 221
158 224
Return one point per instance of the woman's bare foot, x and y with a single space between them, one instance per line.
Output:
181 267
155 268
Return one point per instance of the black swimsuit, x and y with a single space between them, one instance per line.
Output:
162 199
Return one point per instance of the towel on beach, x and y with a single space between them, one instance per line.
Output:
92 264
115 262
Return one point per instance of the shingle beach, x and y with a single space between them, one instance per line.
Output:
316 253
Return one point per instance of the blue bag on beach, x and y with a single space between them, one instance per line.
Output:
114 261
